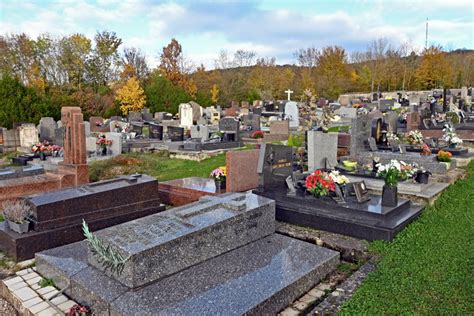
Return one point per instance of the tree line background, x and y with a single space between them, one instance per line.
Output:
38 76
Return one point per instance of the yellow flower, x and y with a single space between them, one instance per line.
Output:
224 170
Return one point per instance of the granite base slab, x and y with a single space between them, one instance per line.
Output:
24 246
424 191
367 220
186 190
260 278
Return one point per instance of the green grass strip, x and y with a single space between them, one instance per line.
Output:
429 268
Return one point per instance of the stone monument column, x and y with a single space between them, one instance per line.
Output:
75 160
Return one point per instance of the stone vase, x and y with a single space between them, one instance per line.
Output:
104 151
220 185
422 177
452 146
42 155
18 228
389 195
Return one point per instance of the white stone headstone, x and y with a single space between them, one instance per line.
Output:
186 115
28 135
346 112
116 146
292 113
91 144
87 128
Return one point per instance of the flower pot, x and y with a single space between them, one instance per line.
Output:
19 228
422 177
42 155
448 164
220 185
104 151
389 195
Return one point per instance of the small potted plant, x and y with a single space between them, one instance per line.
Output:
422 176
257 135
319 184
103 142
391 173
17 215
444 157
219 175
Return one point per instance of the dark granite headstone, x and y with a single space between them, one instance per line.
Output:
59 136
372 144
275 164
230 127
137 128
175 134
360 132
135 117
386 105
156 131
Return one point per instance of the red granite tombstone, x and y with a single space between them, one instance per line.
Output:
242 172
75 161
413 121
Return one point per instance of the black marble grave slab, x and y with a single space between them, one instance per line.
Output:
369 220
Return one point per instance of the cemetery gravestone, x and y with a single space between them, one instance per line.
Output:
47 129
392 120
347 112
242 172
59 136
292 114
197 111
28 136
156 131
360 132
186 115
175 134
116 146
135 117
253 121
74 145
386 105
230 127
322 150
275 164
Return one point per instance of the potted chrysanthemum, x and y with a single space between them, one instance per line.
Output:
450 137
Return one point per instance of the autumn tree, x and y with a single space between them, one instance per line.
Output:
131 96
332 72
103 66
176 68
214 94
434 70
74 52
134 64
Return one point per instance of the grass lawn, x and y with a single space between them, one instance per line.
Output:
154 164
429 268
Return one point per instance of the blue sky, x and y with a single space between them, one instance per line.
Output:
270 28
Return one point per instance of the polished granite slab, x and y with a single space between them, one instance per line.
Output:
260 278
369 220
165 243
187 190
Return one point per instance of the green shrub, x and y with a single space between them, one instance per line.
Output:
452 117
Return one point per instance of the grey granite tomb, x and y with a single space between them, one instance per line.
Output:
217 256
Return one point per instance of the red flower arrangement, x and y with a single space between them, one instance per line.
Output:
257 134
103 142
319 183
79 310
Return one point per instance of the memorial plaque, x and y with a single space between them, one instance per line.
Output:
361 192
162 244
372 144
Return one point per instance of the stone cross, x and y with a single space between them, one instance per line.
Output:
289 92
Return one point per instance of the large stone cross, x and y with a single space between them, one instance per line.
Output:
289 92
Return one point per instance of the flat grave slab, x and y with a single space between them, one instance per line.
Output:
186 190
58 214
369 220
259 278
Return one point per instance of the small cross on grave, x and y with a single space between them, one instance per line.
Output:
289 92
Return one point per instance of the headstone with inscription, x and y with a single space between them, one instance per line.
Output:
156 131
275 164
292 114
230 127
175 134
